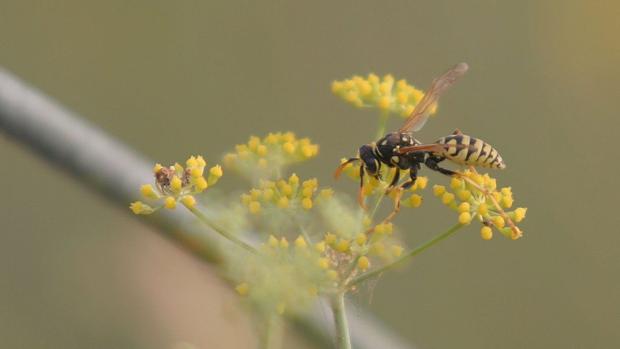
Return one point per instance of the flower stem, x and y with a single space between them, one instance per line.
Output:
228 236
272 336
406 256
343 340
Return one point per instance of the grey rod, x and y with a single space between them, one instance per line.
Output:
114 170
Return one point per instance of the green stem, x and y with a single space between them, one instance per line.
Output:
272 335
406 256
221 231
383 118
343 340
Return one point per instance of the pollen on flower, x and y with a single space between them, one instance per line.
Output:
361 239
464 207
439 190
447 198
363 263
254 207
465 218
343 245
486 233
189 201
397 97
170 202
266 158
306 203
323 263
300 242
176 184
201 184
138 207
519 214
148 192
283 243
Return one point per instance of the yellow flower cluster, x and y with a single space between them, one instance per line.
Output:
374 187
176 184
385 93
284 276
284 194
476 196
266 157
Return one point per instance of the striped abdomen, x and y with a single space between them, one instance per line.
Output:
477 152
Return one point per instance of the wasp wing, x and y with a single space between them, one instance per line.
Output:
420 113
433 148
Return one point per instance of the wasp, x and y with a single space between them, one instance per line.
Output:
400 150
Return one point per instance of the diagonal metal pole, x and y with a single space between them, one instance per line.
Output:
114 170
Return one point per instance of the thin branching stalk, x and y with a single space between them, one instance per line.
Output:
343 340
406 256
228 236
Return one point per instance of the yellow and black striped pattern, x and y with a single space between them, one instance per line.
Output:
476 153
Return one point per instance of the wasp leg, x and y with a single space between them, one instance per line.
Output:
360 193
432 163
413 174
394 181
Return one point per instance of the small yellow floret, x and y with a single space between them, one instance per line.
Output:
323 263
201 161
456 183
415 200
330 238
439 190
363 263
447 198
361 239
157 168
306 203
463 194
272 241
465 218
189 201
283 202
498 221
148 192
201 184
464 207
320 246
138 207
507 201
254 207
170 202
289 147
343 245
300 242
483 209
486 233
178 168
243 289
191 162
293 179
519 214
176 184
421 182
196 172
384 103
283 243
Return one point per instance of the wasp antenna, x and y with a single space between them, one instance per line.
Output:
340 168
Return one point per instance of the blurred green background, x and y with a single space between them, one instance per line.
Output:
184 77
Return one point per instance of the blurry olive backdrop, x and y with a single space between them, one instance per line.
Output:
183 77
